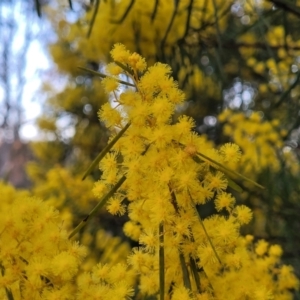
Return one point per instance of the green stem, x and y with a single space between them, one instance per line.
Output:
93 18
8 292
104 151
196 275
226 171
185 272
161 261
202 224
101 203
104 76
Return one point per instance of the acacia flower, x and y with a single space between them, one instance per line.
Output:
224 200
230 152
243 214
216 182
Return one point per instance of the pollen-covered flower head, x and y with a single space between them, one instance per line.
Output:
167 172
36 255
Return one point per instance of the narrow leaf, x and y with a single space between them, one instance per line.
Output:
125 13
225 170
185 272
104 76
8 292
38 7
234 185
125 68
104 151
195 274
161 262
228 171
100 204
204 229
93 18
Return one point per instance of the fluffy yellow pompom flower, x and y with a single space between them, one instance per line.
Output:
169 172
114 69
115 207
216 182
119 53
224 200
243 214
230 152
36 256
137 62
261 247
110 84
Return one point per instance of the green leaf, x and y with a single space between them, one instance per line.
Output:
234 185
195 274
226 171
104 151
161 262
93 18
230 172
125 68
205 231
185 272
38 7
100 204
104 76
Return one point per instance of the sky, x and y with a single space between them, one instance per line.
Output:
37 62
22 65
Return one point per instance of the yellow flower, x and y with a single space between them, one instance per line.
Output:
261 247
216 182
121 290
64 265
115 206
120 54
114 69
181 293
224 200
149 240
110 84
230 152
137 62
243 214
111 116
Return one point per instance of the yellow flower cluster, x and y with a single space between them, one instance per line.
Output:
37 261
106 282
142 16
260 140
103 248
281 68
167 172
62 189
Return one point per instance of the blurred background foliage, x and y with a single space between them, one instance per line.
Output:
238 63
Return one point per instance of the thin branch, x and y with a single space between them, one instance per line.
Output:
154 10
205 231
125 14
100 204
185 272
161 261
287 92
104 151
163 41
38 7
188 19
104 76
288 6
93 18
